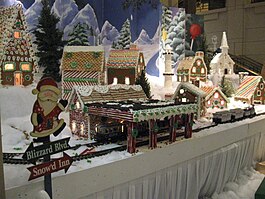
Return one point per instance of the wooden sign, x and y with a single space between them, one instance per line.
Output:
50 167
32 154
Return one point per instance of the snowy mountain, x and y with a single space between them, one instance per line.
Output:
65 10
156 37
32 14
86 15
108 33
11 2
143 38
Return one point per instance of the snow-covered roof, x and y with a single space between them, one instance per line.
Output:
126 58
191 87
188 62
106 93
219 58
247 87
83 48
211 90
83 58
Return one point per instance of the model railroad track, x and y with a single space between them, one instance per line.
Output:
13 158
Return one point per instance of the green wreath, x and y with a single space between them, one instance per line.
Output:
134 133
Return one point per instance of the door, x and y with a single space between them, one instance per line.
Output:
17 78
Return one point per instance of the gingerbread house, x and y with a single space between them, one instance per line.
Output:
17 61
81 123
251 90
215 98
187 93
192 69
81 66
124 66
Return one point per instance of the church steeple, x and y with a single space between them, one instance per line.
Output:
224 45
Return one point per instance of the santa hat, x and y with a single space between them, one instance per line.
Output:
46 83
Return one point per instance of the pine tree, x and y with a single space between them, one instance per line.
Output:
227 87
49 42
176 37
79 35
143 81
137 4
124 39
166 18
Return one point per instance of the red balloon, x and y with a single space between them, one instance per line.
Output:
195 30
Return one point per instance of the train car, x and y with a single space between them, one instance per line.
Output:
222 117
237 114
110 132
249 112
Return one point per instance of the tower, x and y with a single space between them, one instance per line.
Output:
168 69
224 46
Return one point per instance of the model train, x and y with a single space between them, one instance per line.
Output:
116 131
233 115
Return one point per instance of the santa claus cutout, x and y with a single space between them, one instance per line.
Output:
46 110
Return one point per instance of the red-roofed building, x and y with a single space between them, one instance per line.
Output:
251 90
215 98
124 66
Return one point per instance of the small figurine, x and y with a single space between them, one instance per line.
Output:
46 110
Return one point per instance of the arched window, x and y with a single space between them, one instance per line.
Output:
202 70
216 95
82 128
78 105
115 81
127 80
194 69
73 126
179 78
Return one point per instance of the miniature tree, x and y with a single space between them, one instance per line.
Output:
79 35
124 39
227 87
143 81
166 18
49 42
176 37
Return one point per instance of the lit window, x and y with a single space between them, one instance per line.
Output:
9 67
25 67
77 105
184 99
259 93
180 78
216 95
222 102
185 79
115 81
181 91
82 129
194 69
199 62
209 102
261 86
17 34
202 70
73 126
127 80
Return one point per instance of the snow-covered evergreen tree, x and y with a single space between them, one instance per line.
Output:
227 87
176 37
79 35
166 18
124 39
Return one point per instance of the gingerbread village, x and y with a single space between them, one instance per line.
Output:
106 94
104 101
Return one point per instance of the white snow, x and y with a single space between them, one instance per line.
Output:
244 186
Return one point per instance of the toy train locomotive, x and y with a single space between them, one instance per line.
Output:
233 115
